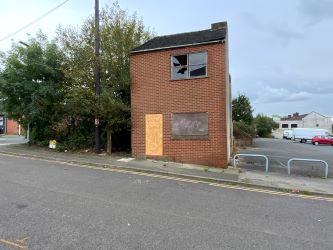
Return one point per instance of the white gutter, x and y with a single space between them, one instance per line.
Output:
178 46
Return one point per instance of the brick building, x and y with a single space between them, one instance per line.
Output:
12 127
9 127
310 120
181 97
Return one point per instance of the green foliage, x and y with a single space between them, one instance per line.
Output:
30 85
264 125
50 85
242 109
243 130
120 33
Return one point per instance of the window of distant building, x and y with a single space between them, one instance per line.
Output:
293 125
189 65
284 125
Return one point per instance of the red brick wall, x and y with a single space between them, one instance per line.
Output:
153 92
12 127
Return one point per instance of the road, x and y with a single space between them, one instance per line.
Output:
49 205
280 151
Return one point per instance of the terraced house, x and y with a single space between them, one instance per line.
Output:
181 97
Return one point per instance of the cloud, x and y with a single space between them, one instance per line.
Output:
269 94
316 11
280 31
316 86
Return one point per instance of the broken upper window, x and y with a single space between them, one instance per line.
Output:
179 67
189 65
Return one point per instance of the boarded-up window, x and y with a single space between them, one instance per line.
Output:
190 125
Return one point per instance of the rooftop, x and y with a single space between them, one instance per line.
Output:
217 33
294 117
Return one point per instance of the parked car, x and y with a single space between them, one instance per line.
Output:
306 134
322 140
287 134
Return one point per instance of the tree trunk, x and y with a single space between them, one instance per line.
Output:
109 141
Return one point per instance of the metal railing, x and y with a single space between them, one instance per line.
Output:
308 160
252 155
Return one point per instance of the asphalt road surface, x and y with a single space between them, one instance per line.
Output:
54 206
280 151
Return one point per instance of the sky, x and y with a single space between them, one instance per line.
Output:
281 52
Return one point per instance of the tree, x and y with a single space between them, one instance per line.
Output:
242 109
30 87
264 125
120 33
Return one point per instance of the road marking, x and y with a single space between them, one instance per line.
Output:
23 241
16 245
282 164
181 179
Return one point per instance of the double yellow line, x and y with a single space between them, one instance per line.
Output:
15 244
181 179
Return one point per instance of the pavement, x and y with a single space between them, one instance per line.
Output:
50 204
245 176
11 140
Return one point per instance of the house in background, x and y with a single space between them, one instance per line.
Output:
181 97
9 127
310 120
12 127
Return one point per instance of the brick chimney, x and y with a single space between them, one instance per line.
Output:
219 25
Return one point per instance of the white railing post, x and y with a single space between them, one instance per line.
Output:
252 155
309 160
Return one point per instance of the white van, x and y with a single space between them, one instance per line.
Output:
306 134
287 134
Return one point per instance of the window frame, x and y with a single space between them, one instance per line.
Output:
188 76
284 125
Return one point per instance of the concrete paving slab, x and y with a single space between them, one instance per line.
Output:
297 183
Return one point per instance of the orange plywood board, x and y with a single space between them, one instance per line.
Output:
154 134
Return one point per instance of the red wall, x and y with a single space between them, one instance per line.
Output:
153 92
12 127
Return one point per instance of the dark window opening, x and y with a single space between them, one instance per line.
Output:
189 65
179 67
284 125
293 125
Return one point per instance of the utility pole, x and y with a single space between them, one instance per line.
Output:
97 77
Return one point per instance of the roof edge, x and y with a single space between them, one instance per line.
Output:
178 46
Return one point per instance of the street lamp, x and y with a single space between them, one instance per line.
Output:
28 129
